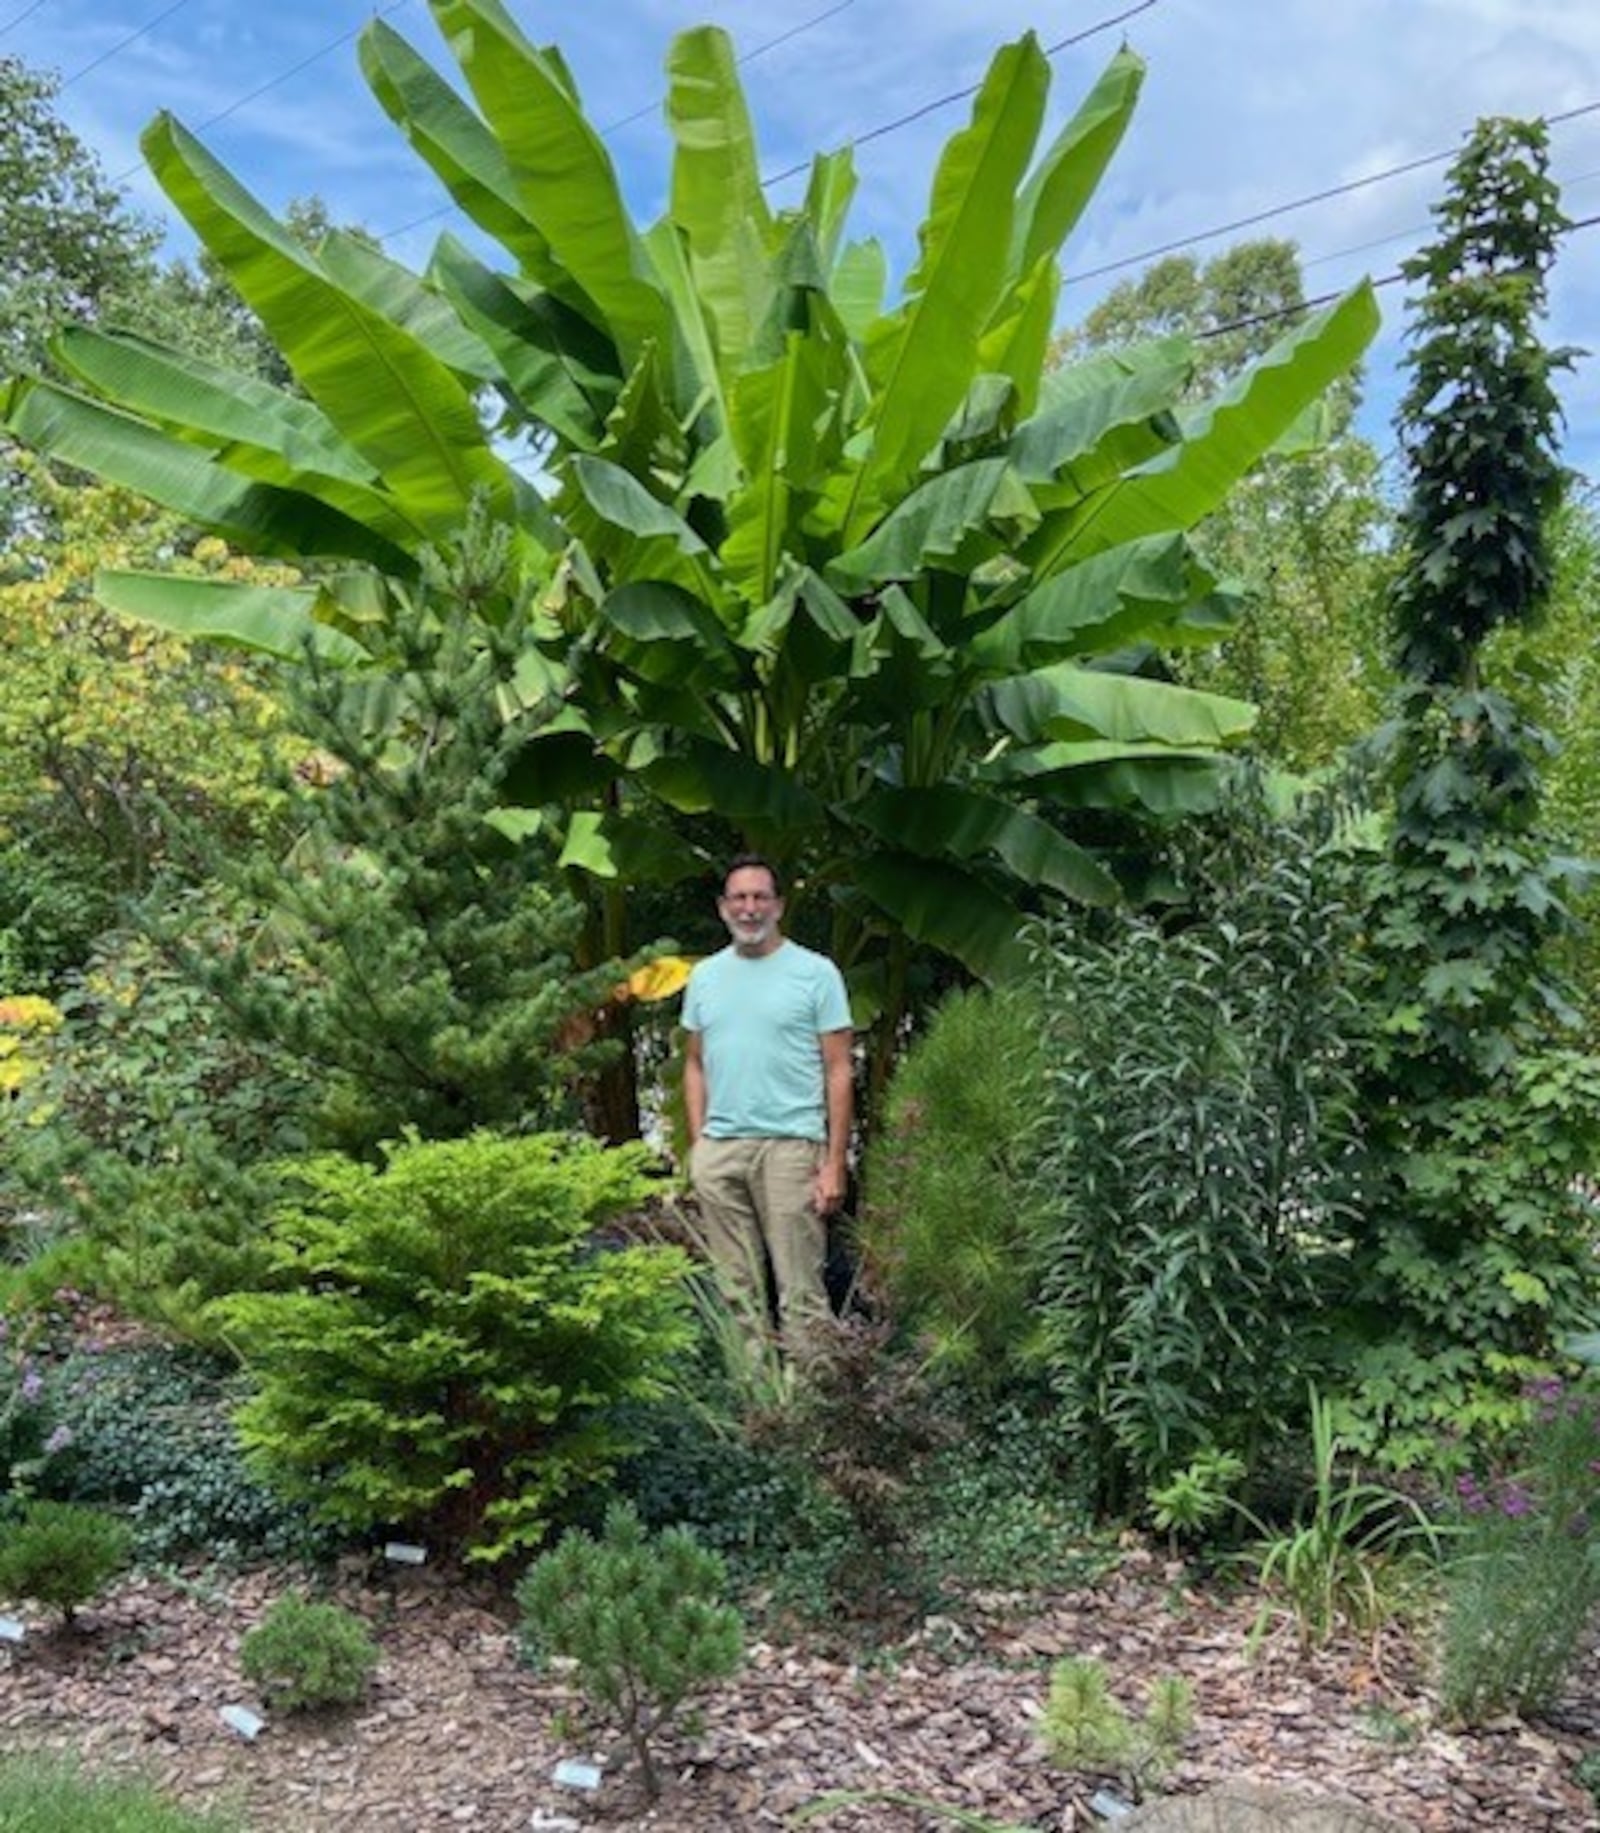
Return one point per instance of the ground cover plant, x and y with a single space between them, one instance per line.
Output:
49 1794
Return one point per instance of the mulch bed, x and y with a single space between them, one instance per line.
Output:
457 1734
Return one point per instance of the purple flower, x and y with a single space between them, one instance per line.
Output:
1515 1500
32 1386
1473 1500
58 1440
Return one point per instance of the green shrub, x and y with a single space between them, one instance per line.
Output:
61 1554
949 1207
1085 1728
452 1337
1196 1158
306 1655
50 1794
640 1617
151 1430
1523 1581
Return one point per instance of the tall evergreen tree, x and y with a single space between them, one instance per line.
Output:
1474 1257
425 958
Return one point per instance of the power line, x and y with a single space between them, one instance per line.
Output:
123 43
960 95
1278 313
1296 203
749 57
283 76
26 13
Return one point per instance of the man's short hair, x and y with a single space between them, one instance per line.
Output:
747 862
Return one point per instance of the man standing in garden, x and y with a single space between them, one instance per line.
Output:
767 1089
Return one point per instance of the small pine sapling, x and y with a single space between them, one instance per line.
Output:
305 1655
640 1617
62 1554
1085 1728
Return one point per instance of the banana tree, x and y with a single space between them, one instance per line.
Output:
861 577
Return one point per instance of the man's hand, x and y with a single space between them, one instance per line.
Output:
827 1188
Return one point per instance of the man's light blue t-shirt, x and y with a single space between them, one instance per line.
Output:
760 1018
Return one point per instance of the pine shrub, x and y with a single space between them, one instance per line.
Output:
306 1655
61 1554
640 1617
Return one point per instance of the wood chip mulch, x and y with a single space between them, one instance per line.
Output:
456 1734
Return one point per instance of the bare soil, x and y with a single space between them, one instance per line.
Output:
457 1734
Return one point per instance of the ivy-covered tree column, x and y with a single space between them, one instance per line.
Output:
1480 1122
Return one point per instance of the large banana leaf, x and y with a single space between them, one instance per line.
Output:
921 359
956 912
621 847
1162 780
937 521
1067 702
561 370
459 147
717 199
263 518
1060 187
637 534
564 178
952 822
1183 486
277 621
250 426
1129 594
408 414
1099 418
701 777
782 426
395 293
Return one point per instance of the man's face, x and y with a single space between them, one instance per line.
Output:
751 910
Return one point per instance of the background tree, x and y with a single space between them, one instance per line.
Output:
1474 1257
1305 535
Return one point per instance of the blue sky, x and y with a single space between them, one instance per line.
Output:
1248 105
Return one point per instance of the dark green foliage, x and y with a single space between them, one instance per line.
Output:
150 1430
1195 1156
61 1554
950 1210
1473 1260
50 1794
1523 1583
427 961
53 903
1479 420
641 1616
306 1655
450 1337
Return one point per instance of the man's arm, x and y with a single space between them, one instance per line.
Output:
694 1085
838 1076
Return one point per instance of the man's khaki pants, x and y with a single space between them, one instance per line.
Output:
755 1200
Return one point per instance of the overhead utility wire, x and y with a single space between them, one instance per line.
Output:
17 19
122 43
283 76
1322 299
960 95
1297 203
649 108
